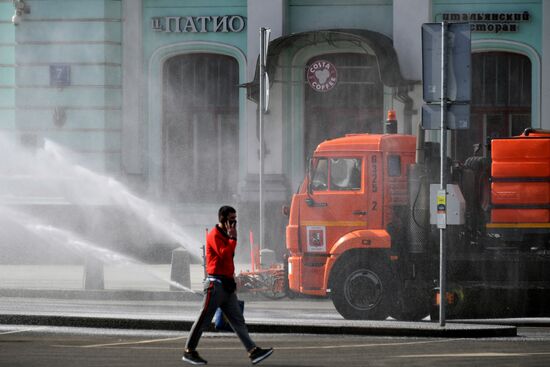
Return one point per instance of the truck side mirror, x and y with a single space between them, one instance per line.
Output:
286 210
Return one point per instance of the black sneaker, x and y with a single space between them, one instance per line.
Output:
191 356
258 354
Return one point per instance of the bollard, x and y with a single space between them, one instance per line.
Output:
93 274
179 271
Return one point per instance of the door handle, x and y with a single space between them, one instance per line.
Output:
311 202
360 212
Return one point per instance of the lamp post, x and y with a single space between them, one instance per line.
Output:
264 94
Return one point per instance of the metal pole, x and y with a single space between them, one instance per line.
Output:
261 132
443 167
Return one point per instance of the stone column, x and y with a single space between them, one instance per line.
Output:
270 14
408 16
132 85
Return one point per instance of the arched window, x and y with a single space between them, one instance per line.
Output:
354 105
501 100
200 127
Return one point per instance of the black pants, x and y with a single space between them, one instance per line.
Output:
215 296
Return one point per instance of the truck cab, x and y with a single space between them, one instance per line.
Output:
342 235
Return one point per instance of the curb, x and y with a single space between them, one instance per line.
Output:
373 328
115 294
453 329
102 295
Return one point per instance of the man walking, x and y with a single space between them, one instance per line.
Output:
219 289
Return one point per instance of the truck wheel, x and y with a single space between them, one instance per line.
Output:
360 290
414 306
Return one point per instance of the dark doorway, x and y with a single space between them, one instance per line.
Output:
501 101
354 105
200 127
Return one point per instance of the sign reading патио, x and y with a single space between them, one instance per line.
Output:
321 75
489 22
200 24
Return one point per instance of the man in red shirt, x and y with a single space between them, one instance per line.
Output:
219 289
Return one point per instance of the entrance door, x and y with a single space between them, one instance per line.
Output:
354 105
200 128
501 101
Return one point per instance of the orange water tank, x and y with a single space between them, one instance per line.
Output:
520 188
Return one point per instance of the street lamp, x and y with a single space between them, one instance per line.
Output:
20 8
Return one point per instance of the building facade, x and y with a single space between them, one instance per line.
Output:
162 93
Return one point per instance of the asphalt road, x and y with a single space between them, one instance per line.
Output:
22 346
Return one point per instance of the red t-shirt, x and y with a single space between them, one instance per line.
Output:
220 250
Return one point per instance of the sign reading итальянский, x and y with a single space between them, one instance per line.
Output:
489 22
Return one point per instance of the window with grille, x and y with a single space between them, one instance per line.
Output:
501 101
200 127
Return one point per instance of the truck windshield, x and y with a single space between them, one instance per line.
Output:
345 174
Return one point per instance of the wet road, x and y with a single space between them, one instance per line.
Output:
54 347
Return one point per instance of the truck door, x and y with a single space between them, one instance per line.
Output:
337 202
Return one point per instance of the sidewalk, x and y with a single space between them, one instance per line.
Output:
139 298
116 277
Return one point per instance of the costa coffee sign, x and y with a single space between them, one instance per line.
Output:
322 76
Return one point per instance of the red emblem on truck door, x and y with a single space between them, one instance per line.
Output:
316 239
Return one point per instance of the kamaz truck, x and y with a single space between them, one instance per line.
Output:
361 230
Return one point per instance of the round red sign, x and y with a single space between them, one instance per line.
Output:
321 75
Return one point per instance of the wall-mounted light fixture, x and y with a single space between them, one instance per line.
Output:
20 8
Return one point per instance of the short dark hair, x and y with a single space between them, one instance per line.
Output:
225 211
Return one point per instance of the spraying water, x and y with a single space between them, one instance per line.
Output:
106 256
116 193
67 240
53 176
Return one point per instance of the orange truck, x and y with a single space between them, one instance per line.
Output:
360 232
